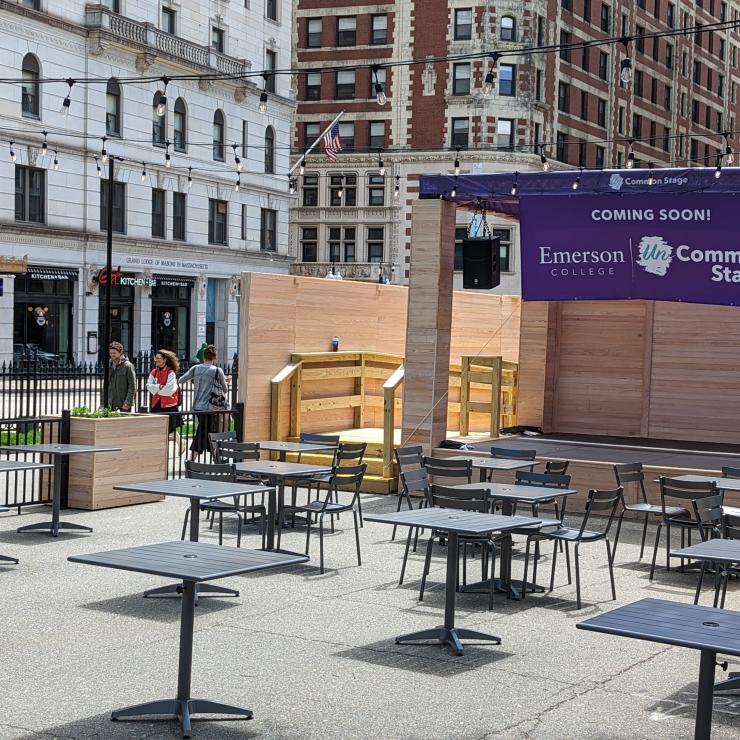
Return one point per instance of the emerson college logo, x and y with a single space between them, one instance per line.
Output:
654 255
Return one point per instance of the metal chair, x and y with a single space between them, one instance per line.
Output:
407 458
673 490
507 453
728 472
708 512
633 473
227 474
229 452
557 467
466 500
414 483
342 477
731 531
310 438
441 469
597 501
350 454
215 437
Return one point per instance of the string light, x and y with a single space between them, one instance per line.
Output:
577 181
162 103
291 185
167 157
143 172
457 161
104 153
543 159
625 68
453 192
729 155
380 96
651 179
97 167
67 100
397 188
190 177
514 184
56 160
488 84
12 153
44 146
263 102
718 171
238 183
340 192
381 166
237 161
631 156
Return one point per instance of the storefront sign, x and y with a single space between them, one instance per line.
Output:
664 247
121 278
157 263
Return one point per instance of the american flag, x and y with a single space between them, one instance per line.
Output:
332 143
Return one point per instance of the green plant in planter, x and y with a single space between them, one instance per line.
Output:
101 413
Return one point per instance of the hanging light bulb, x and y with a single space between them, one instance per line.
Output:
238 183
44 146
263 102
631 157
729 155
381 165
340 192
625 67
56 160
167 157
67 101
104 153
302 166
651 179
97 167
190 177
457 162
143 172
397 188
12 152
577 181
237 161
488 83
718 171
453 192
380 96
291 185
162 104
543 159
514 184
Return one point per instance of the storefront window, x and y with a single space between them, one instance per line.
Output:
171 301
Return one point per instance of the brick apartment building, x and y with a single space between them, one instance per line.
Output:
569 105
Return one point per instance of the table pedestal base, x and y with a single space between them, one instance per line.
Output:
729 684
8 559
201 589
513 588
53 527
182 709
451 636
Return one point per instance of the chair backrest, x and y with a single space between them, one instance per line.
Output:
347 475
210 471
684 491
728 472
228 451
444 467
351 452
215 437
511 454
557 467
409 458
321 439
416 482
548 480
732 526
602 502
472 499
708 511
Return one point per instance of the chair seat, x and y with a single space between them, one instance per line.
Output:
223 506
318 507
572 534
536 527
656 509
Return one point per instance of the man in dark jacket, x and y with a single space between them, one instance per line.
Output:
122 385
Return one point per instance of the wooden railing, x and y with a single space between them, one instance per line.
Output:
389 414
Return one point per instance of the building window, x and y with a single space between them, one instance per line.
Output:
119 206
460 136
560 148
313 86
30 98
565 40
271 66
695 111
158 213
219 127
671 16
347 136
313 33
585 57
682 109
504 133
600 154
606 18
376 190
311 132
217 221
638 77
666 139
33 4
636 126
113 109
375 244
268 230
381 79
463 24
653 133
30 195
310 244
343 190
345 89
376 134
379 29
271 9
461 79
540 30
504 248
722 49
538 85
694 150
601 113
563 97
566 4
721 85
654 90
159 123
342 247
217 39
697 72
669 56
112 5
668 98
179 214
180 119
603 65
508 28
270 150
584 105
346 30
310 190
620 120
168 20
507 79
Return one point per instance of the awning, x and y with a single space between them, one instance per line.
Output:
42 272
174 281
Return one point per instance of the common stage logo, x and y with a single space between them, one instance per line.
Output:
654 255
616 181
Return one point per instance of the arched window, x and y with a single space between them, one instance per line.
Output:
181 126
508 28
159 119
113 120
270 150
30 91
219 129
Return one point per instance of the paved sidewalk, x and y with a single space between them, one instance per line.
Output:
314 656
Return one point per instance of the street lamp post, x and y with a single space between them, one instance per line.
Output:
108 272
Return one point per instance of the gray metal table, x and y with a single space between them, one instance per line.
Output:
492 464
276 473
193 563
283 448
58 452
195 491
701 628
715 551
723 484
9 466
454 522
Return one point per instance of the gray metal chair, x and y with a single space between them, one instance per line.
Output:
407 458
215 437
557 467
729 472
508 453
443 469
414 484
708 512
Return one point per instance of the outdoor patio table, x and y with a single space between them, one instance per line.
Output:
8 466
193 563
283 448
58 452
486 464
195 491
715 551
276 473
701 628
454 522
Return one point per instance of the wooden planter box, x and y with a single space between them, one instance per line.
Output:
143 439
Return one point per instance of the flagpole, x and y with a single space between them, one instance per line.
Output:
313 146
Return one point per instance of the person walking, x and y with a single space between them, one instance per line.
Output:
210 396
201 350
122 381
164 390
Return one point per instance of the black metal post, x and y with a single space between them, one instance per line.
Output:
64 434
705 696
109 271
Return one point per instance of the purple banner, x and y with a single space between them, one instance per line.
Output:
663 247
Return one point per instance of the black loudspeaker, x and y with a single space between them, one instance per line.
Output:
481 270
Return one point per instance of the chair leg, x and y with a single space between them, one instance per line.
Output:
308 532
578 577
667 546
567 561
357 536
220 528
359 509
427 562
644 535
616 536
405 557
610 560
401 498
526 569
534 567
321 543
699 582
655 549
185 523
725 578
491 584
263 526
554 560
239 530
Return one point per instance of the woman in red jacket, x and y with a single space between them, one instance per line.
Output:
162 385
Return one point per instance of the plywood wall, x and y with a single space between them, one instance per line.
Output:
285 314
